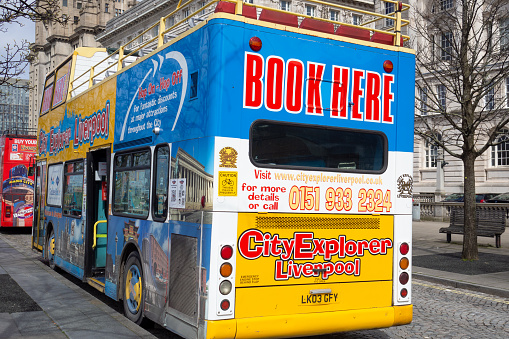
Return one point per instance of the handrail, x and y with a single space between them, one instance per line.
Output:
94 245
394 31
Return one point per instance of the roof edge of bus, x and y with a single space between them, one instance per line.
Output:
267 24
87 52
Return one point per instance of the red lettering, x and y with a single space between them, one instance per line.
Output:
388 98
253 84
373 94
339 95
357 94
274 77
294 85
302 247
245 248
314 82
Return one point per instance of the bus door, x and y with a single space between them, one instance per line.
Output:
97 211
40 192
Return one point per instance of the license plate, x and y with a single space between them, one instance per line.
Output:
327 298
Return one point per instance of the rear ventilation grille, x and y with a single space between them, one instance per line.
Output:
311 223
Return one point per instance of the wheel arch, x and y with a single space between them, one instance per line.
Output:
130 247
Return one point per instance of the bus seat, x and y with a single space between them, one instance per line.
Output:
317 25
383 38
249 12
279 18
226 7
229 7
353 32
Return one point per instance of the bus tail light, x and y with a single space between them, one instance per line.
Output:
404 293
404 248
226 263
403 278
226 252
8 211
226 270
225 287
225 305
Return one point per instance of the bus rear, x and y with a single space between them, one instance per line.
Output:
312 183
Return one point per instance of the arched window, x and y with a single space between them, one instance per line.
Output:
500 151
431 152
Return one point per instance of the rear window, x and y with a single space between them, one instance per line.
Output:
284 145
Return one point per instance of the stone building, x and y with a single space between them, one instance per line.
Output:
54 42
435 171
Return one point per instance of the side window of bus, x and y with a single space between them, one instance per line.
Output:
285 145
73 189
160 196
54 196
47 95
61 84
131 193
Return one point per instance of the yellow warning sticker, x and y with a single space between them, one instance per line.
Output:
228 184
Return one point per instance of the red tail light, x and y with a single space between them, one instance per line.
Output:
226 252
8 211
404 248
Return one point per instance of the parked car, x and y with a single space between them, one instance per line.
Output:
460 197
502 198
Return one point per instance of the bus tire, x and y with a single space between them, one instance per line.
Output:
134 289
50 250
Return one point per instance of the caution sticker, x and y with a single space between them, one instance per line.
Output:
228 184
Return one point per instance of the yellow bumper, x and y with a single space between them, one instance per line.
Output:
299 325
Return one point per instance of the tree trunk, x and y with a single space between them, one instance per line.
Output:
470 232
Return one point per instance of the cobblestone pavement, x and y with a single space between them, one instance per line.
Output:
439 312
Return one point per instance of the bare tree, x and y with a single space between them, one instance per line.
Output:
13 60
462 56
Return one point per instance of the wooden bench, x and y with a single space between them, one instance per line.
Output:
490 222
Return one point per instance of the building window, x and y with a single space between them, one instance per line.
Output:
500 151
446 4
64 3
76 20
106 8
389 9
423 104
186 12
504 34
201 5
334 15
310 10
79 5
442 97
356 19
248 1
431 152
285 5
446 46
490 97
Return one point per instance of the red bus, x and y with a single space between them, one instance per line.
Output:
17 193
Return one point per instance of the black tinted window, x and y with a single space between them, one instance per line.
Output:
281 145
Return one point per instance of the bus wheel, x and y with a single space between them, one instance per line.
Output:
50 250
133 288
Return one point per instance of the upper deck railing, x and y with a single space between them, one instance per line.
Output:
114 62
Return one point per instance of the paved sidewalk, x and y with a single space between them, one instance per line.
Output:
436 260
44 304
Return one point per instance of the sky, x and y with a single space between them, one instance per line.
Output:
16 32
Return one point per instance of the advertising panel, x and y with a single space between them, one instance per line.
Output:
17 186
